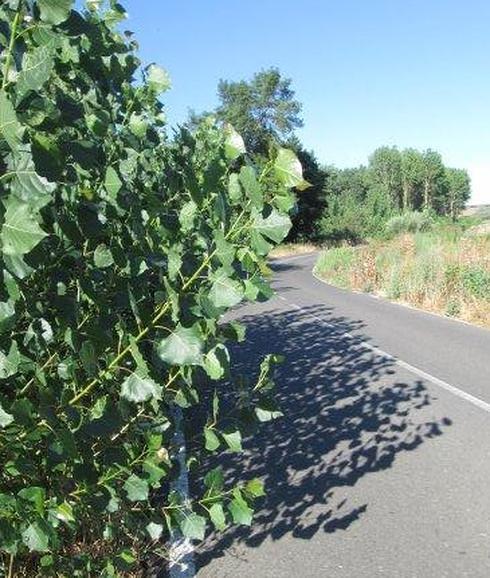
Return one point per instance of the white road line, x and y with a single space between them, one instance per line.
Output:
181 550
415 370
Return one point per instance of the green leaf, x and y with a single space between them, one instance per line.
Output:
139 389
26 183
225 291
193 526
255 488
211 440
37 66
174 262
155 531
183 347
234 145
98 122
233 438
289 170
103 257
214 480
136 489
158 79
55 11
20 231
36 538
112 182
240 510
138 125
9 364
10 128
217 515
267 410
88 357
234 188
7 315
275 227
36 496
251 186
187 215
64 512
216 362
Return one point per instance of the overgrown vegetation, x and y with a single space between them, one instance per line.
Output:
339 204
121 250
446 270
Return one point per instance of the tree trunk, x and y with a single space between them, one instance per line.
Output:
426 196
406 197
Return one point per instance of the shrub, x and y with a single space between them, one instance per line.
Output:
410 222
476 281
121 252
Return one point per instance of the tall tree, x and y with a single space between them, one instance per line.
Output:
411 167
458 190
310 202
385 169
432 178
262 110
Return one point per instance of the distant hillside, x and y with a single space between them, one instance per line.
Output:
482 211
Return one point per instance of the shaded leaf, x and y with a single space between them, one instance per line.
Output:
275 227
251 185
240 511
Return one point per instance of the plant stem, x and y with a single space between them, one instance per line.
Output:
10 50
165 307
11 566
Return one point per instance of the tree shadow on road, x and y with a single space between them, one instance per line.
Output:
346 415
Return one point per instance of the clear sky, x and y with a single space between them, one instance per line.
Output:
368 72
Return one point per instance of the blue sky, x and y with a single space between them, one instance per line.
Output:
368 72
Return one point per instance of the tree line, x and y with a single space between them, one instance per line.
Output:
340 204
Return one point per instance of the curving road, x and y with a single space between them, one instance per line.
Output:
381 465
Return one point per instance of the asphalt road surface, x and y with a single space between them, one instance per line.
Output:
381 463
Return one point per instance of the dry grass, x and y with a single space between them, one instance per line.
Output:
443 271
288 249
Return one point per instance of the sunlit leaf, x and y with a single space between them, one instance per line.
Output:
21 231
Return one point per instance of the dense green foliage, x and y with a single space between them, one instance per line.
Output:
263 109
372 201
121 250
339 204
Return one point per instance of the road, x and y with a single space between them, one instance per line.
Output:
381 464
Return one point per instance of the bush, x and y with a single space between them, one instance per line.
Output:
476 281
410 222
121 252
